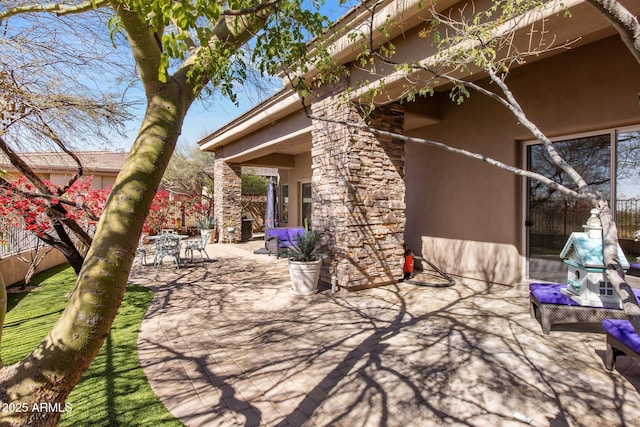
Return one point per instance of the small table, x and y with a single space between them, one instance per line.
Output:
171 249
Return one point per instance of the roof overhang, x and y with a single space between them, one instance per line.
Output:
252 136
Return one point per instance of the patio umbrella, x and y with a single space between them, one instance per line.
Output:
271 212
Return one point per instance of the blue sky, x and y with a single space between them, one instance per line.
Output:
202 119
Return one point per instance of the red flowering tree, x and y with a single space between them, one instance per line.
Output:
64 219
23 207
168 210
159 213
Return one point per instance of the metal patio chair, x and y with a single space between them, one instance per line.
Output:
167 246
199 245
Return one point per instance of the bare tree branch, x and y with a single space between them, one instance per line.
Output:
57 8
623 21
515 170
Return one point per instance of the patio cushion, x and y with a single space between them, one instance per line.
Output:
623 331
549 293
634 270
293 232
285 235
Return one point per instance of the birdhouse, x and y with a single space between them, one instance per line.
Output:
584 255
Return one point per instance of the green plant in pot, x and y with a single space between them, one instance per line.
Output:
305 261
207 225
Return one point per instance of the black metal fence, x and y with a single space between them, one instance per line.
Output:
627 217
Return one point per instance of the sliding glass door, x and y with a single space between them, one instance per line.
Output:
553 216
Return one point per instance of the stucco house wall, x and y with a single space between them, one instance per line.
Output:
467 216
464 215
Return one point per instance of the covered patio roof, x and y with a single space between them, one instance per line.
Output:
274 131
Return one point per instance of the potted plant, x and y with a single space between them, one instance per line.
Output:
207 225
305 261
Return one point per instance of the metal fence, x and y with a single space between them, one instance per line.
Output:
627 217
15 239
563 217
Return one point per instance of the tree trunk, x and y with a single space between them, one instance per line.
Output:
50 372
614 271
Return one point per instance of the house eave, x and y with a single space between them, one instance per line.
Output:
408 14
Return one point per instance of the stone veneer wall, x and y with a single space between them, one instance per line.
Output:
227 192
358 193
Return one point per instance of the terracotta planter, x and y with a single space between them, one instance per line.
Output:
304 276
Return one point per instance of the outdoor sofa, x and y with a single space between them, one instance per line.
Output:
280 239
622 339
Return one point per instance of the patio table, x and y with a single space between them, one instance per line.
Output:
167 245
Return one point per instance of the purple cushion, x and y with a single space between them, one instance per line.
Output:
623 331
549 293
293 232
634 270
285 235
280 232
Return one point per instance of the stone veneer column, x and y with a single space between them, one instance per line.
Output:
227 192
358 192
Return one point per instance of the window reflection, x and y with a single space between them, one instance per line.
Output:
628 191
284 209
552 216
306 203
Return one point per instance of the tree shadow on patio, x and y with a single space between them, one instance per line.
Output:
235 344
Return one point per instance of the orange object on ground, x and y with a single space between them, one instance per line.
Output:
407 269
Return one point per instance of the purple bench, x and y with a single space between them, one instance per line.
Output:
555 311
622 339
280 239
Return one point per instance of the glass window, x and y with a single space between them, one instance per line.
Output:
628 191
284 211
306 203
552 217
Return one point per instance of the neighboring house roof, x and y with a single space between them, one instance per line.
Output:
93 162
583 251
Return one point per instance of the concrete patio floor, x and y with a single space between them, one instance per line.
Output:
225 343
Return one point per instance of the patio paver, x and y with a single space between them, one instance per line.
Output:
226 343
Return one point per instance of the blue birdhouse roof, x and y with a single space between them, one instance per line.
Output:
588 252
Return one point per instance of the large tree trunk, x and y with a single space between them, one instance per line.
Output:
51 371
615 273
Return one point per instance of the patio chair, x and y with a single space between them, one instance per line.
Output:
142 252
199 245
167 246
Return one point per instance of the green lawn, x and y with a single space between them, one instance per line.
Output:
114 390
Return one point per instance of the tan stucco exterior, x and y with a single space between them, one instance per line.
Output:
460 202
13 269
464 215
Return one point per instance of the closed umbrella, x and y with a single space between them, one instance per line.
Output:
271 212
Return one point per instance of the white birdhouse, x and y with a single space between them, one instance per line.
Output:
584 255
